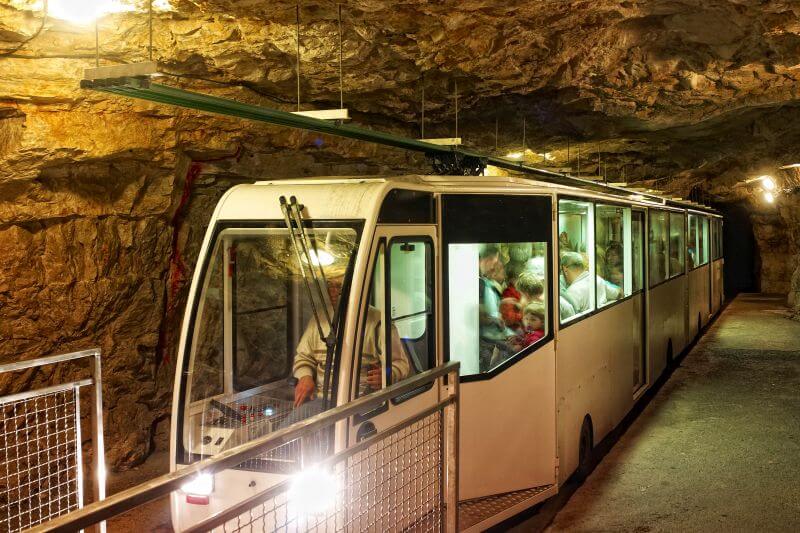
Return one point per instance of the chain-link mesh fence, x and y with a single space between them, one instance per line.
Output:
394 484
41 463
39 459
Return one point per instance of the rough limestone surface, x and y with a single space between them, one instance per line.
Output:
104 201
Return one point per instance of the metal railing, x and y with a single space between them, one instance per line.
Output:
402 477
41 459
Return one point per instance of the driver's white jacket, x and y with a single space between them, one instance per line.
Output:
311 353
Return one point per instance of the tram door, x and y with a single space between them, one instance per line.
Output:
640 304
498 322
396 340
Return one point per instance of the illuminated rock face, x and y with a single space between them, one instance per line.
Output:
103 201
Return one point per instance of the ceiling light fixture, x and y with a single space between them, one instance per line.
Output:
767 182
85 12
769 197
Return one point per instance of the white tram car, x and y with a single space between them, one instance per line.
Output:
563 307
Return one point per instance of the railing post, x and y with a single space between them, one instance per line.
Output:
451 454
97 436
76 391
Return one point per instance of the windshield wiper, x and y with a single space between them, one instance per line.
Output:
317 287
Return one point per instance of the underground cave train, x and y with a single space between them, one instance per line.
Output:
562 306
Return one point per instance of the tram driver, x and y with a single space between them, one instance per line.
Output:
311 354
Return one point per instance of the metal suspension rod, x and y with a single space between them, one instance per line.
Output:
341 79
455 88
297 70
96 44
422 122
150 29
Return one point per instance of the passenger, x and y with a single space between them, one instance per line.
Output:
564 244
565 308
578 282
492 330
530 287
579 285
511 313
533 319
513 270
310 358
675 265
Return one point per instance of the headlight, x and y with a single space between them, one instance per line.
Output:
313 490
199 489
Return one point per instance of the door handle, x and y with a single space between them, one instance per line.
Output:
365 431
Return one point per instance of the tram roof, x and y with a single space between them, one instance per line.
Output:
355 197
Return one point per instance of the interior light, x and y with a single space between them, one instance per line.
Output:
320 258
514 155
199 488
547 156
313 490
768 183
769 197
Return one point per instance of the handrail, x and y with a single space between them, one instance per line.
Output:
165 484
48 360
237 509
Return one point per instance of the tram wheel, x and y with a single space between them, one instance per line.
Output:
585 447
670 355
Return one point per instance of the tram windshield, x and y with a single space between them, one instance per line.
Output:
255 336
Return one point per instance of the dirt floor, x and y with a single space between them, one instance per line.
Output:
151 517
717 448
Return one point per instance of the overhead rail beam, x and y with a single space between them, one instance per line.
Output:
143 88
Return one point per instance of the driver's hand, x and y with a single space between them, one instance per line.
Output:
374 379
303 390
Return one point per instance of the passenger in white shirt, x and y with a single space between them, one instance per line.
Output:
579 284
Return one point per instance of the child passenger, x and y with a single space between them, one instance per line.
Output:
513 270
533 322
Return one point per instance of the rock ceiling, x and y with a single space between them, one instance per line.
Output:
669 87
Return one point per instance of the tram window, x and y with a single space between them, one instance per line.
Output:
254 328
613 253
676 246
637 251
691 243
410 265
209 343
497 301
702 245
577 268
658 246
716 226
411 303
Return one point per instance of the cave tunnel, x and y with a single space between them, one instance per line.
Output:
399 266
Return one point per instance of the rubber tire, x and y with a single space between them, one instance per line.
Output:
585 448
